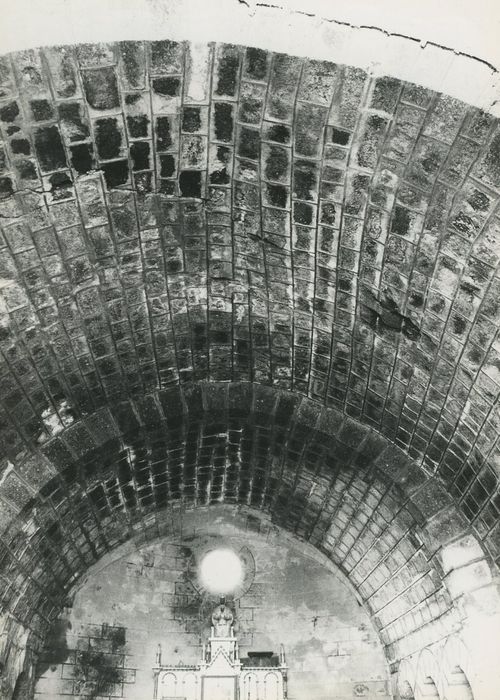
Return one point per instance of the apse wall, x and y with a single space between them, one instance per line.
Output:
293 597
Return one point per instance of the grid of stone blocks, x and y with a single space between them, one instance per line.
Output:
172 214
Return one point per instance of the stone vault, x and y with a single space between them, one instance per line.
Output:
231 275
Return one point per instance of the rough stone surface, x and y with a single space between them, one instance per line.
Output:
354 262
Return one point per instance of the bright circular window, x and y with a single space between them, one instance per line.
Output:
221 571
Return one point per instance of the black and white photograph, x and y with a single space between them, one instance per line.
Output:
249 350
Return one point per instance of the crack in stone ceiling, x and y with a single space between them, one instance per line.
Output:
252 4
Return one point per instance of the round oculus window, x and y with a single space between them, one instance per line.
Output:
221 571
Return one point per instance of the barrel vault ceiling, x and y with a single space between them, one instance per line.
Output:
233 275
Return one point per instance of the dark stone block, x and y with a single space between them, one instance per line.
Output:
164 134
223 121
340 136
115 173
465 224
277 163
41 110
302 213
170 87
138 126
279 133
416 300
385 94
167 187
49 148
459 325
81 158
167 164
132 98
400 221
101 88
108 138
228 72
190 183
249 143
191 120
328 214
220 177
305 180
61 185
20 146
26 169
6 189
224 155
278 195
256 63
9 112
139 152
479 201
